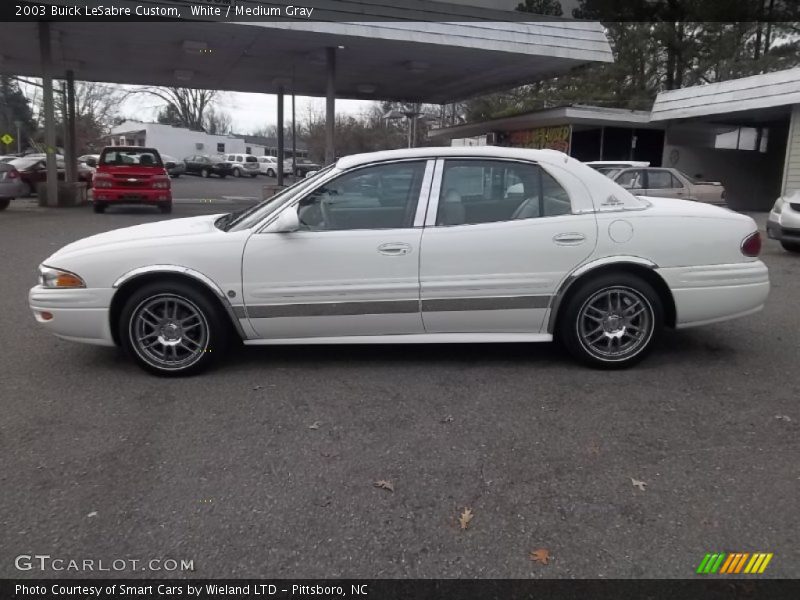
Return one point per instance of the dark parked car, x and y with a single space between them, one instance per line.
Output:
303 166
203 165
33 170
174 167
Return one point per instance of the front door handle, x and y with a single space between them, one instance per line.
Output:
569 239
395 249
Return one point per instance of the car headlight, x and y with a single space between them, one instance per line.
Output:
778 207
57 278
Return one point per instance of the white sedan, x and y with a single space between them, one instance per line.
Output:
472 244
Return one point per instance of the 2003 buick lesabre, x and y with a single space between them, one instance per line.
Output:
477 244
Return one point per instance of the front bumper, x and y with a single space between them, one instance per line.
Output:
79 315
131 196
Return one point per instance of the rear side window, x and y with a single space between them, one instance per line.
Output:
250 159
143 157
477 191
661 180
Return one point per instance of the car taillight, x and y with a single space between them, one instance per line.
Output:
161 182
13 174
751 245
101 181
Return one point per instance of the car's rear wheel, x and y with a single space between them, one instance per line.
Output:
4 203
790 247
270 173
237 172
165 208
204 173
98 207
172 329
27 190
612 321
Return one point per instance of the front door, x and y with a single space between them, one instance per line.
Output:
498 241
352 268
662 184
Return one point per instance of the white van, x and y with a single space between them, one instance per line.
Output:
243 164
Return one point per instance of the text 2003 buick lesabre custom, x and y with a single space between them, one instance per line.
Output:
427 245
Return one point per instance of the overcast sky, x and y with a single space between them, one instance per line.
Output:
249 112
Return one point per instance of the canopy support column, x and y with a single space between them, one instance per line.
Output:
330 107
49 113
280 135
69 151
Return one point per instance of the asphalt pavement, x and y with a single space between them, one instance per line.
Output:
266 466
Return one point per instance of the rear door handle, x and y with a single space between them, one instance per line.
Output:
395 249
569 239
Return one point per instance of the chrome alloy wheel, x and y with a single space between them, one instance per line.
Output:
169 332
615 323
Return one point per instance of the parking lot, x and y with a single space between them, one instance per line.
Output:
192 187
266 466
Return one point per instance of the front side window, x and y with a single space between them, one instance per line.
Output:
631 179
376 197
477 191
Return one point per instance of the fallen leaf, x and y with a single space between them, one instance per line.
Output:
92 514
542 556
786 418
384 485
638 484
448 419
465 518
256 388
315 425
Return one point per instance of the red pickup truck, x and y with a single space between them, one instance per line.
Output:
131 175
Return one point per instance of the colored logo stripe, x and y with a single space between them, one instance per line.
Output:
734 563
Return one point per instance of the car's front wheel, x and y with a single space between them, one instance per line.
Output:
790 247
172 329
612 321
270 173
4 203
99 208
204 173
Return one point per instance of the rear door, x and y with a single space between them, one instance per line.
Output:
500 235
662 184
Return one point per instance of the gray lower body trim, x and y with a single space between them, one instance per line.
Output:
385 307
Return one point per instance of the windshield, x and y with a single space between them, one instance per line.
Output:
256 213
146 157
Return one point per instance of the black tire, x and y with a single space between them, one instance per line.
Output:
253 175
157 333
27 190
237 172
204 173
176 175
165 208
270 173
790 247
590 333
99 208
4 203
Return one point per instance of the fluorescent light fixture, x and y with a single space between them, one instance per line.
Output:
366 88
183 74
192 47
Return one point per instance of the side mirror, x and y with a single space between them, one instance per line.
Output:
287 222
91 162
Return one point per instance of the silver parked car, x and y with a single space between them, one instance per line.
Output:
663 182
783 223
11 185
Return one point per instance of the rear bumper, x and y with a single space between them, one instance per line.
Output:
131 196
714 293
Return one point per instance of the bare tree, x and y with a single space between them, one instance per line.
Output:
217 122
188 105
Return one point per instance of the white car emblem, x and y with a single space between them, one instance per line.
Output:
132 179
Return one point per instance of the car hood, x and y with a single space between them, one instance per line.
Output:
160 233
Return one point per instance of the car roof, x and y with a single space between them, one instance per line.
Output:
545 156
618 163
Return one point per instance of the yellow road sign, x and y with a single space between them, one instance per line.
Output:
6 139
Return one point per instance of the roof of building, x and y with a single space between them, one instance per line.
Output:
415 50
561 115
769 90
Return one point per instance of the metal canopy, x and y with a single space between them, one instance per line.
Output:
409 61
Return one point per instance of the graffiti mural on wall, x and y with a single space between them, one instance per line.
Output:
553 138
